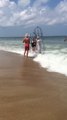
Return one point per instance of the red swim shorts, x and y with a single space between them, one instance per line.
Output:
26 47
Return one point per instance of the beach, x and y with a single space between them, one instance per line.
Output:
30 92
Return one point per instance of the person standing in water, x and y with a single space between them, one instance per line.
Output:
33 44
38 44
26 42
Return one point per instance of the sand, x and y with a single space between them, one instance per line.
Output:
29 92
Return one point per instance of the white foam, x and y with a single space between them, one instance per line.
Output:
53 62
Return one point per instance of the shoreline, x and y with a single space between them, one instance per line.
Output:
29 92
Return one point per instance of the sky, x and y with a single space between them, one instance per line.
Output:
20 16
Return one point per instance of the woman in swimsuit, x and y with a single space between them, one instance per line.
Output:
26 42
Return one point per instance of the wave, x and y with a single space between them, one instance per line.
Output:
53 62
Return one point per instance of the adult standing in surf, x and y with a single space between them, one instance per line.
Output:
38 34
38 44
26 42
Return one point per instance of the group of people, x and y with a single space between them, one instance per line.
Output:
35 44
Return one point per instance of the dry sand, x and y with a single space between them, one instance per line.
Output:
29 92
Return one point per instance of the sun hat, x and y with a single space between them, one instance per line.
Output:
27 35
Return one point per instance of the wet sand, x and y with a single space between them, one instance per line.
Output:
29 92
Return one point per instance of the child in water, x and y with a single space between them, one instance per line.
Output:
33 44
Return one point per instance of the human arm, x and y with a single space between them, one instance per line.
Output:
23 40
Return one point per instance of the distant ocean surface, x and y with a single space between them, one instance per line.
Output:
53 56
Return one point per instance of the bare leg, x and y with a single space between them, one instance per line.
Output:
24 52
27 53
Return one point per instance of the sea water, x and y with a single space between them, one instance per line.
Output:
53 55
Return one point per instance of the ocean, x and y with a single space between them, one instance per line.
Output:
53 56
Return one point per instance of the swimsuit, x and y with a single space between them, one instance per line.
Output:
33 44
27 41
